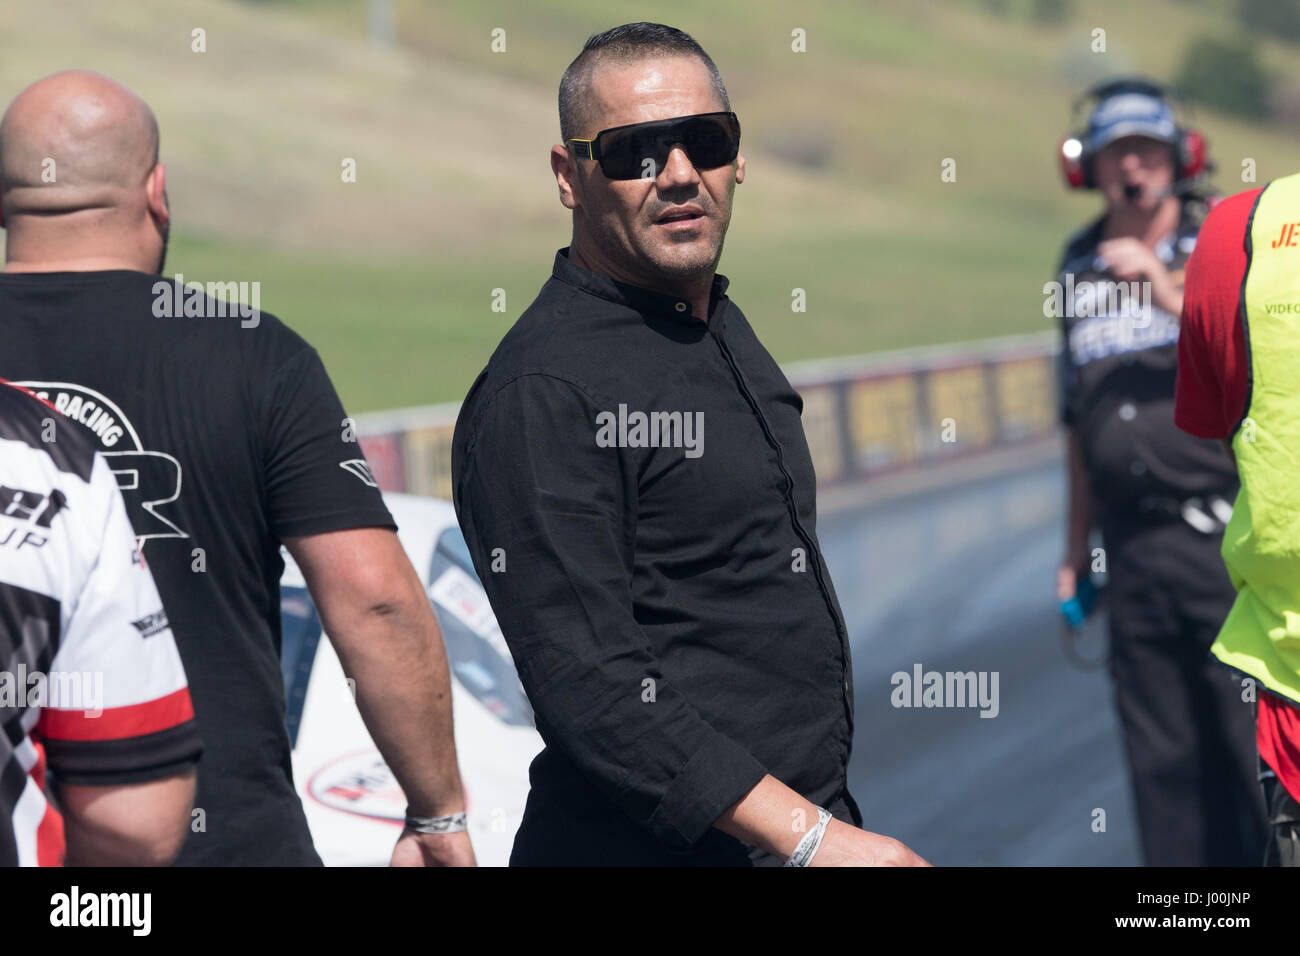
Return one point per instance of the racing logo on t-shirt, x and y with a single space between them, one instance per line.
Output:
31 510
152 624
150 480
360 468
32 505
1100 336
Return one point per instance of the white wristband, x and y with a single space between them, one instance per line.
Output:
811 842
451 823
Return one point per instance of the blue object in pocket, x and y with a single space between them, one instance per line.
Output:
1077 608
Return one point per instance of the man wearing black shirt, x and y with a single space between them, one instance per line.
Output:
633 481
227 439
1160 497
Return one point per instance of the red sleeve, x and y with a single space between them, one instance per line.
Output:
1277 734
1213 365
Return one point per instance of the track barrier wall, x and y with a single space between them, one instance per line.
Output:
864 416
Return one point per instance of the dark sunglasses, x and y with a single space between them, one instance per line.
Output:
710 140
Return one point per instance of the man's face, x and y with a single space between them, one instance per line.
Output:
626 222
1133 170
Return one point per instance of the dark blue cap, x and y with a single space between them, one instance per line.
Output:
1131 113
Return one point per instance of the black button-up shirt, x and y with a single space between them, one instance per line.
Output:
656 576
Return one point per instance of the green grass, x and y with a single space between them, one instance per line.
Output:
391 277
392 333
415 331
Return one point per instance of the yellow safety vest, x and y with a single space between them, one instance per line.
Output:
1261 545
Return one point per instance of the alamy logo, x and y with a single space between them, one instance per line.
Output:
626 429
1085 299
24 689
946 689
75 908
176 300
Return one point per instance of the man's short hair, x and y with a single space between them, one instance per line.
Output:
624 44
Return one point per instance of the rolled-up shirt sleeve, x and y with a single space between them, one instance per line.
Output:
550 519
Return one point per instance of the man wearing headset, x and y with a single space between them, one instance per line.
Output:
1159 496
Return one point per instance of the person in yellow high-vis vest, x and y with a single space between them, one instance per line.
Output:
1239 381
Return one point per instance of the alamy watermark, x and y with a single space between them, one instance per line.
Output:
130 910
60 690
217 300
1087 299
624 429
954 689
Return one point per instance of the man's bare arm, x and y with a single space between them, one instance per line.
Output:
1079 518
135 824
378 616
775 818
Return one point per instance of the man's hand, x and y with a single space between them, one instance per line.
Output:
845 845
433 849
1079 510
1129 260
763 819
1068 574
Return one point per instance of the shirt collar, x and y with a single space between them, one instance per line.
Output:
635 297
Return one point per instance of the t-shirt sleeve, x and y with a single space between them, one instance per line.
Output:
119 706
1213 366
317 479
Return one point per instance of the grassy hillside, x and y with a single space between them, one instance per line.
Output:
391 276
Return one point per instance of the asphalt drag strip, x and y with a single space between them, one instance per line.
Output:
952 573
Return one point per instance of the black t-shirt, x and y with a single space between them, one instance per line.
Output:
1118 366
226 436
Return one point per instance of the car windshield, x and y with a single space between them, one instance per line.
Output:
300 631
476 651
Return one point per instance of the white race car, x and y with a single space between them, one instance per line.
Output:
353 804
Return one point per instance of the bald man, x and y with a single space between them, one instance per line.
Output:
228 440
83 188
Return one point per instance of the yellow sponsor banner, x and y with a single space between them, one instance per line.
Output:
892 422
883 421
959 408
821 426
428 460
1026 396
